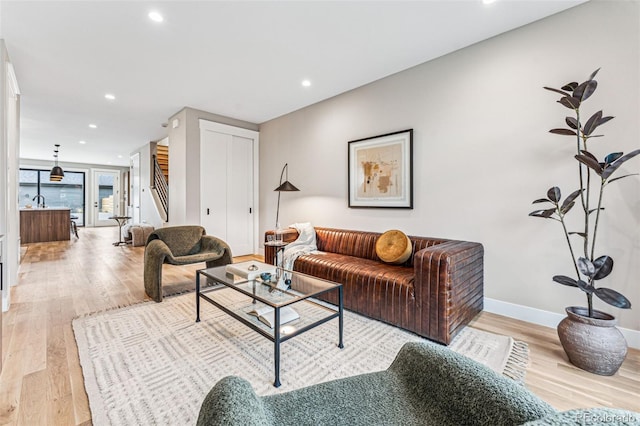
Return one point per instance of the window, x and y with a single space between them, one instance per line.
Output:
69 192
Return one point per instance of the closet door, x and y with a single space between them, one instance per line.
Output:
227 188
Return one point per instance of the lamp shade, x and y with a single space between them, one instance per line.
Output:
56 174
286 186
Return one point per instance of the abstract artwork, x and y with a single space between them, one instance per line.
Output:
380 171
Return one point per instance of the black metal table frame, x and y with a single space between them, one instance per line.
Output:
277 338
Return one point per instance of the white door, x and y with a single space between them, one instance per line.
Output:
106 197
227 189
135 188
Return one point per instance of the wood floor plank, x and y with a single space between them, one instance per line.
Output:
42 381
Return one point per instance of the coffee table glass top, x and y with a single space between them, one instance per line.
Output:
302 286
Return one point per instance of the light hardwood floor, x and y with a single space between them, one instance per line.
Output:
42 384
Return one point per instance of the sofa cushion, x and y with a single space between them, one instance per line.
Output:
372 288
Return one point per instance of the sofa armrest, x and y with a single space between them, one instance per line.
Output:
232 401
288 235
448 288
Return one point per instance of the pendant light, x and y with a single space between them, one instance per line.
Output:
57 173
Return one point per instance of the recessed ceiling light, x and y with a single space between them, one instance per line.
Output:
119 156
155 16
488 1
93 126
82 142
306 83
109 96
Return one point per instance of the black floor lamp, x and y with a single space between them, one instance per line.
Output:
284 186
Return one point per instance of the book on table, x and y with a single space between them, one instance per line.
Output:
250 269
266 314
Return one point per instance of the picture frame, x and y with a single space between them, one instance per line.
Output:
381 171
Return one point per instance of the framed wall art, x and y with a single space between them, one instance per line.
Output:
381 171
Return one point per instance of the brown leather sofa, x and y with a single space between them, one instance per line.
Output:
434 294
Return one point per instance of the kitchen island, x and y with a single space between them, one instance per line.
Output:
45 224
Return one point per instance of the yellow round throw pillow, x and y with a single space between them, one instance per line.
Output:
393 247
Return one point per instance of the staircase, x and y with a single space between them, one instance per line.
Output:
163 160
160 181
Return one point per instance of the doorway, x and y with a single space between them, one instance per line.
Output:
135 188
106 197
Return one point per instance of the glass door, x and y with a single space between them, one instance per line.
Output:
106 197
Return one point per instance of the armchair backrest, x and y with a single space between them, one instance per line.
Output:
181 240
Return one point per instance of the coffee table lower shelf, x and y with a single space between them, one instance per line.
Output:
309 319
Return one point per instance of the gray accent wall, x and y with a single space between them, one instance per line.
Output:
482 151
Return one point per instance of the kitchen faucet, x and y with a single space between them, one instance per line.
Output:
39 196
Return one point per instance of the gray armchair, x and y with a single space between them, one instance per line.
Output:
180 245
427 384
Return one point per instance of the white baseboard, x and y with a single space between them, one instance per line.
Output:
545 318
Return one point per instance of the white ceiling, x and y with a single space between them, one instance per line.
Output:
240 59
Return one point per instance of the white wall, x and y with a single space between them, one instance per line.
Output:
9 147
482 151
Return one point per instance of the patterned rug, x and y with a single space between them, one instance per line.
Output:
151 364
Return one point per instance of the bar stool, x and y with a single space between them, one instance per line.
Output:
74 226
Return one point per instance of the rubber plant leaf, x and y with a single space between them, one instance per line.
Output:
622 177
585 90
587 288
588 161
604 266
614 166
541 200
590 155
571 198
563 132
613 298
554 194
604 120
592 123
566 207
543 213
570 86
564 280
582 234
593 74
594 210
570 102
586 267
612 157
563 93
571 122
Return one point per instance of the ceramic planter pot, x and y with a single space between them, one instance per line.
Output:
592 344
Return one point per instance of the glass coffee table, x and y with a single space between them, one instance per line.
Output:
240 298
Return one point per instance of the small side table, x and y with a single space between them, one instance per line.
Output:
121 221
279 247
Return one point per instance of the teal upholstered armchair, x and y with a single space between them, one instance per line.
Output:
180 245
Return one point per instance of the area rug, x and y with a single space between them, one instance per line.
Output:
151 364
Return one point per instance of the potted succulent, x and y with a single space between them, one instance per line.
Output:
588 336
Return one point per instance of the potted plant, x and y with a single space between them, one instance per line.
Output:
588 336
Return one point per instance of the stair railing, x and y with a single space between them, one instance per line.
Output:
161 188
